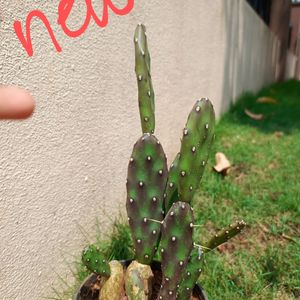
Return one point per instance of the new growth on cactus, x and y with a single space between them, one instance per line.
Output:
159 200
224 235
95 261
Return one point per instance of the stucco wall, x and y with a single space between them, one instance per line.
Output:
67 164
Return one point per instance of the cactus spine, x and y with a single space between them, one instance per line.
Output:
144 81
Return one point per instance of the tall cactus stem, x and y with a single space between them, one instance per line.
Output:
144 81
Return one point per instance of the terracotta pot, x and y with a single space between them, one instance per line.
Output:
85 292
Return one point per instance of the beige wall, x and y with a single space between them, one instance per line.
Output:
67 164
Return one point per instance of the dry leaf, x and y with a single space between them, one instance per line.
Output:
222 164
289 238
278 134
257 117
266 100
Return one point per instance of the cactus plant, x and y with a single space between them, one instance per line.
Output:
159 201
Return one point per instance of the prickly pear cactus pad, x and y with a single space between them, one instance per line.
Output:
197 138
191 274
146 181
224 235
176 246
171 192
94 260
143 73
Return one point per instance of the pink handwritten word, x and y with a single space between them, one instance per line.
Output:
64 10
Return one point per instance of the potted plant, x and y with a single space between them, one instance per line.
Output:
167 258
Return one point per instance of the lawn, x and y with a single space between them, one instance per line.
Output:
262 187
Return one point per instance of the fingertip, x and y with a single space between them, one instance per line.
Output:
15 103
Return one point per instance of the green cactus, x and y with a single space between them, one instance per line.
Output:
143 74
176 246
196 142
95 261
171 193
146 181
224 235
191 274
158 209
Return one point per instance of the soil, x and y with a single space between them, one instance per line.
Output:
90 289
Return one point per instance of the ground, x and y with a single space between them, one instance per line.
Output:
262 188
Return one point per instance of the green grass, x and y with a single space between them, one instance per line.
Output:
263 188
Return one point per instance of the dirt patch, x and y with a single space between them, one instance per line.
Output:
257 238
